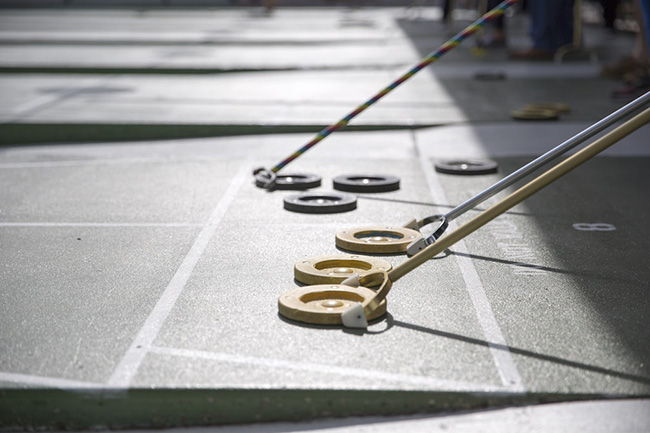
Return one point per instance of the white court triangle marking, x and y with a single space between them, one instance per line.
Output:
130 363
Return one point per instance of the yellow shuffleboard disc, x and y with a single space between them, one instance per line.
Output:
323 304
535 113
336 268
377 240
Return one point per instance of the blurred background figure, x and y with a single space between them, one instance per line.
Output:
269 5
609 12
634 69
497 35
551 27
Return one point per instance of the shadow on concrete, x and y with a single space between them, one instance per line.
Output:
521 352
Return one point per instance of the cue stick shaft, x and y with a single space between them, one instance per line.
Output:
521 194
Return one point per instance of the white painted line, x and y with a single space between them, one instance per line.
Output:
104 161
510 376
29 107
327 370
99 225
40 102
128 366
48 382
252 225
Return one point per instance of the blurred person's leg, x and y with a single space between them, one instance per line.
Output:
269 5
644 29
635 69
609 12
637 62
498 34
551 23
446 10
551 27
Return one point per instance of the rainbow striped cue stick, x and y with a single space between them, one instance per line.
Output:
266 178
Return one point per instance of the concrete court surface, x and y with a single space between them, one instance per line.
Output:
140 279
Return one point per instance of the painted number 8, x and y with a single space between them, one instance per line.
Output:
594 227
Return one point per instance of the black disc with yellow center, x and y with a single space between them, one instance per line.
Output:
467 166
297 181
320 202
366 183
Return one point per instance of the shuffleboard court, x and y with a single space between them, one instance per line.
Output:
166 273
141 267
